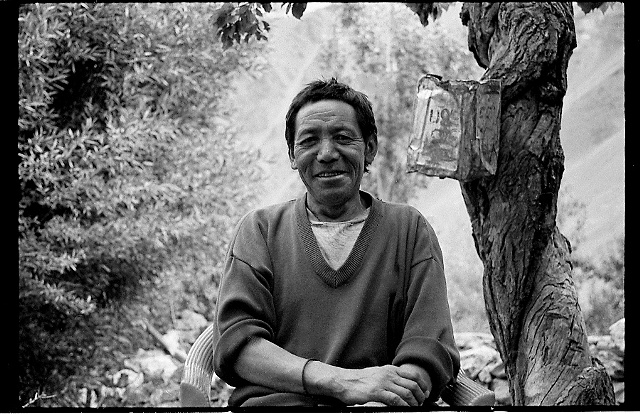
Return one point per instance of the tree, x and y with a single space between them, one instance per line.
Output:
123 164
529 294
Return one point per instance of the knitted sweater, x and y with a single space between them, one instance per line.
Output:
387 304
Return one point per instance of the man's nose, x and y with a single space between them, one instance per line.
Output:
327 151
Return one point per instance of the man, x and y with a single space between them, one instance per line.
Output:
336 298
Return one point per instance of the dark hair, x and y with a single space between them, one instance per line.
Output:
332 89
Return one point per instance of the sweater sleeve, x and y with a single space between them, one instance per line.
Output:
427 339
245 308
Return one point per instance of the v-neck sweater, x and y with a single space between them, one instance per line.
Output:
336 238
387 304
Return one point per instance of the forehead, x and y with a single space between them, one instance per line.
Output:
326 113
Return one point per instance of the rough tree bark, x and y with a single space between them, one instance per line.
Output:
529 294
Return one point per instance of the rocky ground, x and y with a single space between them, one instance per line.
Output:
151 377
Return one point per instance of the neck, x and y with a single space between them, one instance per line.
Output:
340 212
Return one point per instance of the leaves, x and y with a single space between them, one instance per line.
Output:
426 10
297 9
239 22
588 7
124 160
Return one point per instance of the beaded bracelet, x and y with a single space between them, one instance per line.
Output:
304 384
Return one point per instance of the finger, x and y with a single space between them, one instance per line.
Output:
412 387
414 376
412 396
392 399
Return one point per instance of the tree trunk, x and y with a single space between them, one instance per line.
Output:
529 293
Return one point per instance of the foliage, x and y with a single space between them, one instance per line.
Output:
599 280
588 7
571 217
124 160
382 49
600 288
238 22
426 10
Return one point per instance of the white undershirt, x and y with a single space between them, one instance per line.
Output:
336 238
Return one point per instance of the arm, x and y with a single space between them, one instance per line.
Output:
427 337
264 363
245 351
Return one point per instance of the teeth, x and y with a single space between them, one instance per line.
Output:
328 174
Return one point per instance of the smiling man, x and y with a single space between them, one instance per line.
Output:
336 298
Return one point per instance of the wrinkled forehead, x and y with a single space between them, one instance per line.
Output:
332 114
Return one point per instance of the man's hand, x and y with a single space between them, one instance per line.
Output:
388 384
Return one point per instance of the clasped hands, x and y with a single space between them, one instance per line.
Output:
390 385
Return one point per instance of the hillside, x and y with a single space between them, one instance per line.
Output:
593 128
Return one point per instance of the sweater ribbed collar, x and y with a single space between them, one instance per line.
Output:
331 277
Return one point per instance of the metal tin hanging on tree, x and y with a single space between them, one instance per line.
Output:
456 128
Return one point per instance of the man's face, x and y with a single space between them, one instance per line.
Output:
329 152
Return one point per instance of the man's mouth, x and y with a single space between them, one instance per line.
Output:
329 174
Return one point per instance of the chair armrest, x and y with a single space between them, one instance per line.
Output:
466 392
198 371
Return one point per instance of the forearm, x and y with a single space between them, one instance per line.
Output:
264 363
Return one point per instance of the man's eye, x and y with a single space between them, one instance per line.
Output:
343 138
305 142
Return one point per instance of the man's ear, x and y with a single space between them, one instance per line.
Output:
292 161
371 149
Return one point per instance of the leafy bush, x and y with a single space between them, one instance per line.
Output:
599 279
600 288
124 160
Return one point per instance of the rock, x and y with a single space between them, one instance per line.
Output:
618 388
139 396
154 364
82 396
127 378
617 334
177 375
191 321
501 388
469 340
159 396
172 341
486 374
472 361
498 371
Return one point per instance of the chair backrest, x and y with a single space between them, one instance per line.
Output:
198 374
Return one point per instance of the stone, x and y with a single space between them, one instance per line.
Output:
618 389
154 364
468 340
172 340
486 374
501 389
498 371
139 396
617 334
127 378
159 396
472 361
190 320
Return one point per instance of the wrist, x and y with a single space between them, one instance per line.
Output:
322 379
